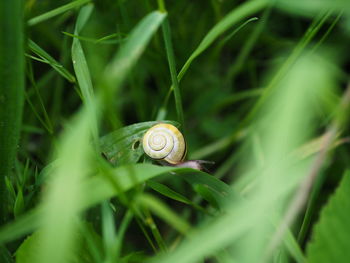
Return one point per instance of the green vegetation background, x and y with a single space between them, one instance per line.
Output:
259 88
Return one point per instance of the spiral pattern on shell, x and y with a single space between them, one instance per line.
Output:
164 142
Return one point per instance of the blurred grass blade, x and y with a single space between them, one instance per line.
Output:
122 63
130 52
164 212
99 189
108 232
48 15
82 73
330 240
62 200
310 33
293 247
51 61
316 25
310 8
11 90
289 113
129 176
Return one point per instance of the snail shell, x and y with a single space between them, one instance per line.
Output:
164 142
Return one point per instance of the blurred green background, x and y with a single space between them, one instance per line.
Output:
258 88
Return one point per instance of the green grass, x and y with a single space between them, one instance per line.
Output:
259 89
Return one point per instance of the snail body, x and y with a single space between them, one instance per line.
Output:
165 142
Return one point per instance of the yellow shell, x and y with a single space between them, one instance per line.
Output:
164 142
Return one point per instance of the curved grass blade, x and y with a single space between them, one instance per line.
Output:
82 72
126 177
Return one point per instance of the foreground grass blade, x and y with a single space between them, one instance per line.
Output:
115 74
11 89
123 178
62 200
330 240
103 187
288 114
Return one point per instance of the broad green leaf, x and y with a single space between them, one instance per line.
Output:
330 240
29 249
124 146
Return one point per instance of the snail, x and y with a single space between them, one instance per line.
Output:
165 143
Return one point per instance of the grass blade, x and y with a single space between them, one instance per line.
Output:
60 208
230 19
127 56
82 72
51 61
172 68
100 189
48 15
11 90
